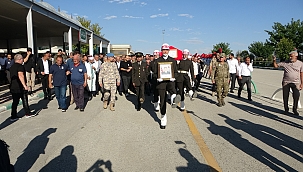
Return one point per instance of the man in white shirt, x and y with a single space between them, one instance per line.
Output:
232 63
197 73
43 66
245 70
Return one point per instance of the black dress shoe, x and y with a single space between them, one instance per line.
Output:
162 127
138 109
59 108
231 91
81 110
296 113
76 108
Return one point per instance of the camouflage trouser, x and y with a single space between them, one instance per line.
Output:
110 90
222 84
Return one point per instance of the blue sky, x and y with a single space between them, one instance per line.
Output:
193 24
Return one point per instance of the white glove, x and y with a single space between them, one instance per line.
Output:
159 79
192 83
172 79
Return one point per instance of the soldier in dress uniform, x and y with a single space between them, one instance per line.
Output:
220 76
154 81
167 85
139 78
109 74
185 69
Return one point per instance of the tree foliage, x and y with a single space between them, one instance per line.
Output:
260 49
88 24
93 27
284 46
225 47
244 53
292 31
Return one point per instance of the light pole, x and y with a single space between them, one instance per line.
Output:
163 32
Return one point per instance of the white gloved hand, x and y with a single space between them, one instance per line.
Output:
172 79
192 83
159 79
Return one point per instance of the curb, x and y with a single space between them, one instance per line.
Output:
8 106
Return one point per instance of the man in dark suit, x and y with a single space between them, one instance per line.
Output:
43 67
167 85
139 78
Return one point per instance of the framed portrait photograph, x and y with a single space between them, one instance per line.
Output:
165 70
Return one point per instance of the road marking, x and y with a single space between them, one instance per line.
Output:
208 156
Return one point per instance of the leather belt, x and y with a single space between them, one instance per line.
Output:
182 71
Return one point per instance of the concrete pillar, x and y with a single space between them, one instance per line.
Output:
8 46
108 48
50 46
70 40
101 47
91 44
30 35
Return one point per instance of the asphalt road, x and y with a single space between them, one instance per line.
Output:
241 136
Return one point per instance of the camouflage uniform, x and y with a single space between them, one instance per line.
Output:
109 74
220 74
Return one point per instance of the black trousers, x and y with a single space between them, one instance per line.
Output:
16 98
233 81
295 95
197 82
245 80
140 93
214 88
154 90
165 86
45 84
126 83
185 83
97 83
239 81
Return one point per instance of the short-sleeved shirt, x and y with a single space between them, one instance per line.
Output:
16 85
30 63
59 74
125 65
77 74
292 71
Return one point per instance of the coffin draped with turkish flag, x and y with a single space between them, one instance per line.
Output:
174 53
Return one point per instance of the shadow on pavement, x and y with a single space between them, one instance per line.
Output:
247 147
204 98
259 112
149 107
269 136
192 163
35 109
98 166
33 150
66 161
262 106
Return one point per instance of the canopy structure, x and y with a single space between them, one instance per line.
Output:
29 23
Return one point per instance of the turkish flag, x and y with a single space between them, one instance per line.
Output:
175 53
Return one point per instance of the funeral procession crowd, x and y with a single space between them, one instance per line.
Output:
167 80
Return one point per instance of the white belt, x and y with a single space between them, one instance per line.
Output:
182 71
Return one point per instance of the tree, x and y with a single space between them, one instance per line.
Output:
292 31
260 49
88 24
93 27
244 53
225 47
284 46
